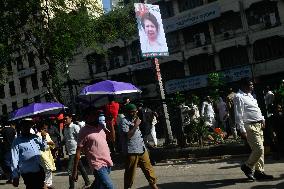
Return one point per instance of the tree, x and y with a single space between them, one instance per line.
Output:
215 83
58 28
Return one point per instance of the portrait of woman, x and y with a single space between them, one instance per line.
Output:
152 36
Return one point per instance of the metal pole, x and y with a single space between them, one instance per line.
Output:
162 93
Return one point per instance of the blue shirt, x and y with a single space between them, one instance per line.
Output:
26 154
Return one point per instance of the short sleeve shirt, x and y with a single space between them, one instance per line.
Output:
135 144
70 137
93 141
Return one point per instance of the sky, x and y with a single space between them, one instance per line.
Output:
107 5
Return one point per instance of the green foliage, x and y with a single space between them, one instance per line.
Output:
215 82
59 28
178 99
197 131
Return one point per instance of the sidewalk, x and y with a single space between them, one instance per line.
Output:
175 152
163 153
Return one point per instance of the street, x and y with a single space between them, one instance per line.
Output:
185 174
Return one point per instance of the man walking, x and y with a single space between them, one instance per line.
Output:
250 121
26 161
70 134
8 133
111 112
134 148
92 140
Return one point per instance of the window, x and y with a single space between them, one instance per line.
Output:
41 56
166 8
9 68
2 91
23 85
14 105
12 88
201 64
34 81
188 4
31 59
172 70
19 62
228 21
25 102
269 48
173 41
4 109
37 98
97 60
233 56
198 34
263 12
44 78
141 79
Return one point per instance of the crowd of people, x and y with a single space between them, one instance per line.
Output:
239 114
221 114
32 146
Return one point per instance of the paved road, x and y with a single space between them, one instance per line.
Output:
189 174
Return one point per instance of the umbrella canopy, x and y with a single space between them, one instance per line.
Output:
45 108
97 93
109 87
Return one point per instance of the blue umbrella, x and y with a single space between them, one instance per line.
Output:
96 94
45 108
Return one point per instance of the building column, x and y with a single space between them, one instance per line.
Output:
249 45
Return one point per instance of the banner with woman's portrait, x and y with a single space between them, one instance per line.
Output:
151 32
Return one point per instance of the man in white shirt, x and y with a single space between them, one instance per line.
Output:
250 121
70 134
207 112
269 100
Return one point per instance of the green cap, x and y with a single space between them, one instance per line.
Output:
130 107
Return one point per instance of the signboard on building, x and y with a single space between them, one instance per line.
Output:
191 17
151 32
196 82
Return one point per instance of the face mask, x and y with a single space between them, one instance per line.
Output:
102 121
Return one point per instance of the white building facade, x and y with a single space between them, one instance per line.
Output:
27 74
239 38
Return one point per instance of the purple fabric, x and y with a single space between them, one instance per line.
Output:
37 108
110 87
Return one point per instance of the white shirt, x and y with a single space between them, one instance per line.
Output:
222 108
70 134
246 110
207 110
269 98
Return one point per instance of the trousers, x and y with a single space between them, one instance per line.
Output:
132 161
255 141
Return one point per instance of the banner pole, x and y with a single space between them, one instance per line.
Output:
155 63
170 138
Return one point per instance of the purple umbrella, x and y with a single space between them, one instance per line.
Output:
97 93
45 108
